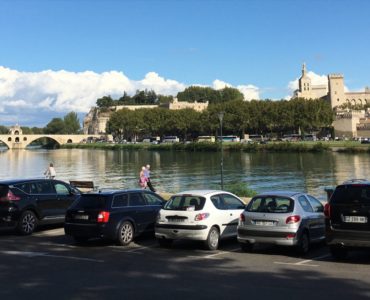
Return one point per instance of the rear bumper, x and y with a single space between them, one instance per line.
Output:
347 238
87 230
187 232
9 217
268 237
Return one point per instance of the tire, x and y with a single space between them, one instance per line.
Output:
125 233
27 223
165 243
246 247
303 244
338 252
213 239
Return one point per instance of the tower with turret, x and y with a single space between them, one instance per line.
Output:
336 95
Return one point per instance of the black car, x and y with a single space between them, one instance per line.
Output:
26 203
348 217
117 215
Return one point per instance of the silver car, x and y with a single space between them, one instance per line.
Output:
282 218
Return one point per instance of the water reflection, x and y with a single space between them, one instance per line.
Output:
176 171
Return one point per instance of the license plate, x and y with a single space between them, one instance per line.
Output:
177 220
264 223
355 219
81 217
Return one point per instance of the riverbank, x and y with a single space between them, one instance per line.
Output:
335 146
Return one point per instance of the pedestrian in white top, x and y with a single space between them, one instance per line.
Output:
50 172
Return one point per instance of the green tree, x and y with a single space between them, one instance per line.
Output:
55 126
105 102
4 130
71 123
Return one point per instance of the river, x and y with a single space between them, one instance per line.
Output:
177 171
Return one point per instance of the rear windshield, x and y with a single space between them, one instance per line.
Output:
271 204
188 202
351 194
91 201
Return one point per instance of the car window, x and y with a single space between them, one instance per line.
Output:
305 204
120 201
185 202
91 201
231 202
316 204
61 189
271 204
136 200
42 187
351 194
218 202
152 199
25 187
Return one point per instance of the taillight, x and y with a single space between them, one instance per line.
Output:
200 217
103 217
293 219
10 197
242 218
327 210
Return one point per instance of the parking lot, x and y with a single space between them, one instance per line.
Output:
49 265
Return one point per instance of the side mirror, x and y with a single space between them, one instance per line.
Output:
320 209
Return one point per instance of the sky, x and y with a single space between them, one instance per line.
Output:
58 56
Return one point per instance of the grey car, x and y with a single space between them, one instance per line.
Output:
282 218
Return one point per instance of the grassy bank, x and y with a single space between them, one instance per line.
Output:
340 146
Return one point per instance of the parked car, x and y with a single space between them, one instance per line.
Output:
205 215
348 217
282 218
26 203
118 215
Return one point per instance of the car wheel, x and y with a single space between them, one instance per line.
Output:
27 223
304 244
246 247
338 252
125 233
165 243
213 239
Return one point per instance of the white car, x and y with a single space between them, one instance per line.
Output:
204 215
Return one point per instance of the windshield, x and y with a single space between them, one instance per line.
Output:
185 202
271 204
351 194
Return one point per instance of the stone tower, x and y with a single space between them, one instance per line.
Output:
336 94
305 83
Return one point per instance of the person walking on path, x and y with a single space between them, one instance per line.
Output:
143 178
50 172
147 175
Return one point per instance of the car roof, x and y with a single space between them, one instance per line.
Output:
112 191
280 193
201 193
15 181
356 181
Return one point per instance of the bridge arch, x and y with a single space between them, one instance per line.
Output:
6 143
31 140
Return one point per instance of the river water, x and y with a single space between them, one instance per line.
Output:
177 171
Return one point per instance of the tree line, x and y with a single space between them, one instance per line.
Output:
264 117
69 124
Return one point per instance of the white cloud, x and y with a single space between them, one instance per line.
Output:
249 91
40 96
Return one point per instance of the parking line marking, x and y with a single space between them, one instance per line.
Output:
133 250
219 253
51 232
294 264
304 262
44 254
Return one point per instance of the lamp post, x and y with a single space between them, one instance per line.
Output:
221 117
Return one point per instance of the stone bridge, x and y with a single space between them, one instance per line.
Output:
21 141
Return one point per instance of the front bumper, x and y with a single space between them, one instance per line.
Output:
187 232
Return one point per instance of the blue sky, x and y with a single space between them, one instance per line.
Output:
58 56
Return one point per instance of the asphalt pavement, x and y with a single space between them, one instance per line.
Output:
49 265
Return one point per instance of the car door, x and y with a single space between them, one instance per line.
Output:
309 220
154 203
45 199
318 211
140 211
234 207
64 197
